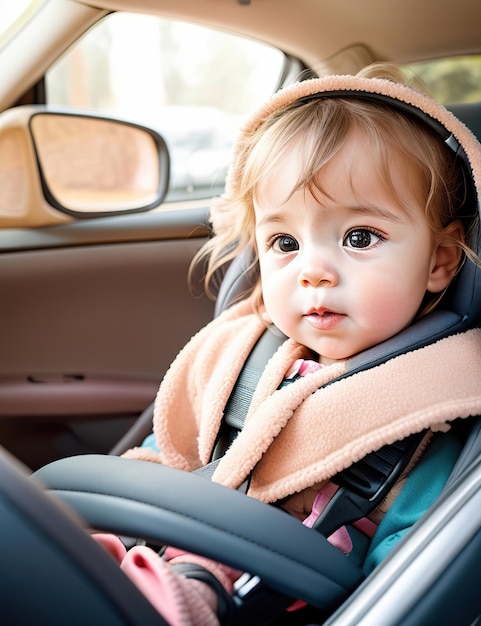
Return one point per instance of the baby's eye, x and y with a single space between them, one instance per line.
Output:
361 238
285 243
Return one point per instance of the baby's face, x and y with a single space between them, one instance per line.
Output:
347 269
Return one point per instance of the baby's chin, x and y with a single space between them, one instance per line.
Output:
328 351
332 355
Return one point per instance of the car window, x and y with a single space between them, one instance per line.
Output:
194 85
13 13
452 80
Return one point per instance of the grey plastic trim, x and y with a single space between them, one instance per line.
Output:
154 226
414 569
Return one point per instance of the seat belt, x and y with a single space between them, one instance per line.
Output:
240 398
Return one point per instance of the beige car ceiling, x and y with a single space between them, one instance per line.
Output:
315 30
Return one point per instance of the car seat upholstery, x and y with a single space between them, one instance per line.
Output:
54 574
470 114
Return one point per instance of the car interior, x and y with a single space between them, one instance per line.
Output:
97 302
102 502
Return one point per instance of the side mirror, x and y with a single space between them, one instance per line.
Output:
92 166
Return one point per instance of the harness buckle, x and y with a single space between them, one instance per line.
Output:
365 484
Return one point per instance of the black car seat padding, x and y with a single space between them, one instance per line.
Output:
53 573
141 499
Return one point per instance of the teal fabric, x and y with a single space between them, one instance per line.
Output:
422 487
360 546
149 442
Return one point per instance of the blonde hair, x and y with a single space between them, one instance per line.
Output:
320 125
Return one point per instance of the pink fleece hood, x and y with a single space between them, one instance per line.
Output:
454 132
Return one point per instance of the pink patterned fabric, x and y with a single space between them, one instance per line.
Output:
302 367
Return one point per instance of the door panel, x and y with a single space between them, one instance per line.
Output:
89 327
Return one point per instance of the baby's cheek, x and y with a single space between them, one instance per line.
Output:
285 322
277 306
390 312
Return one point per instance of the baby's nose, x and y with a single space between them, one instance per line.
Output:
318 274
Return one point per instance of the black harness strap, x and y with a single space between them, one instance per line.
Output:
240 399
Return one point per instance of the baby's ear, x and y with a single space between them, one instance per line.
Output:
446 257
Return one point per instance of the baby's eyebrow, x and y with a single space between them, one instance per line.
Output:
377 211
270 218
368 210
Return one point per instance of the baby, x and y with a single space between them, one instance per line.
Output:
358 214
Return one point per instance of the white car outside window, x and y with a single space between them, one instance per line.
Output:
194 85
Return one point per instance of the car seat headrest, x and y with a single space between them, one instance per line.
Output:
470 114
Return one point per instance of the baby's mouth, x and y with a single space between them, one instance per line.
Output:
324 319
322 312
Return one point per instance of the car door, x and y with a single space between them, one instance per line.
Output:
95 308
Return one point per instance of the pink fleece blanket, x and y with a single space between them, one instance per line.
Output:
302 434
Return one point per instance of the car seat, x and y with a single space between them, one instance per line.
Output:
240 277
118 495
